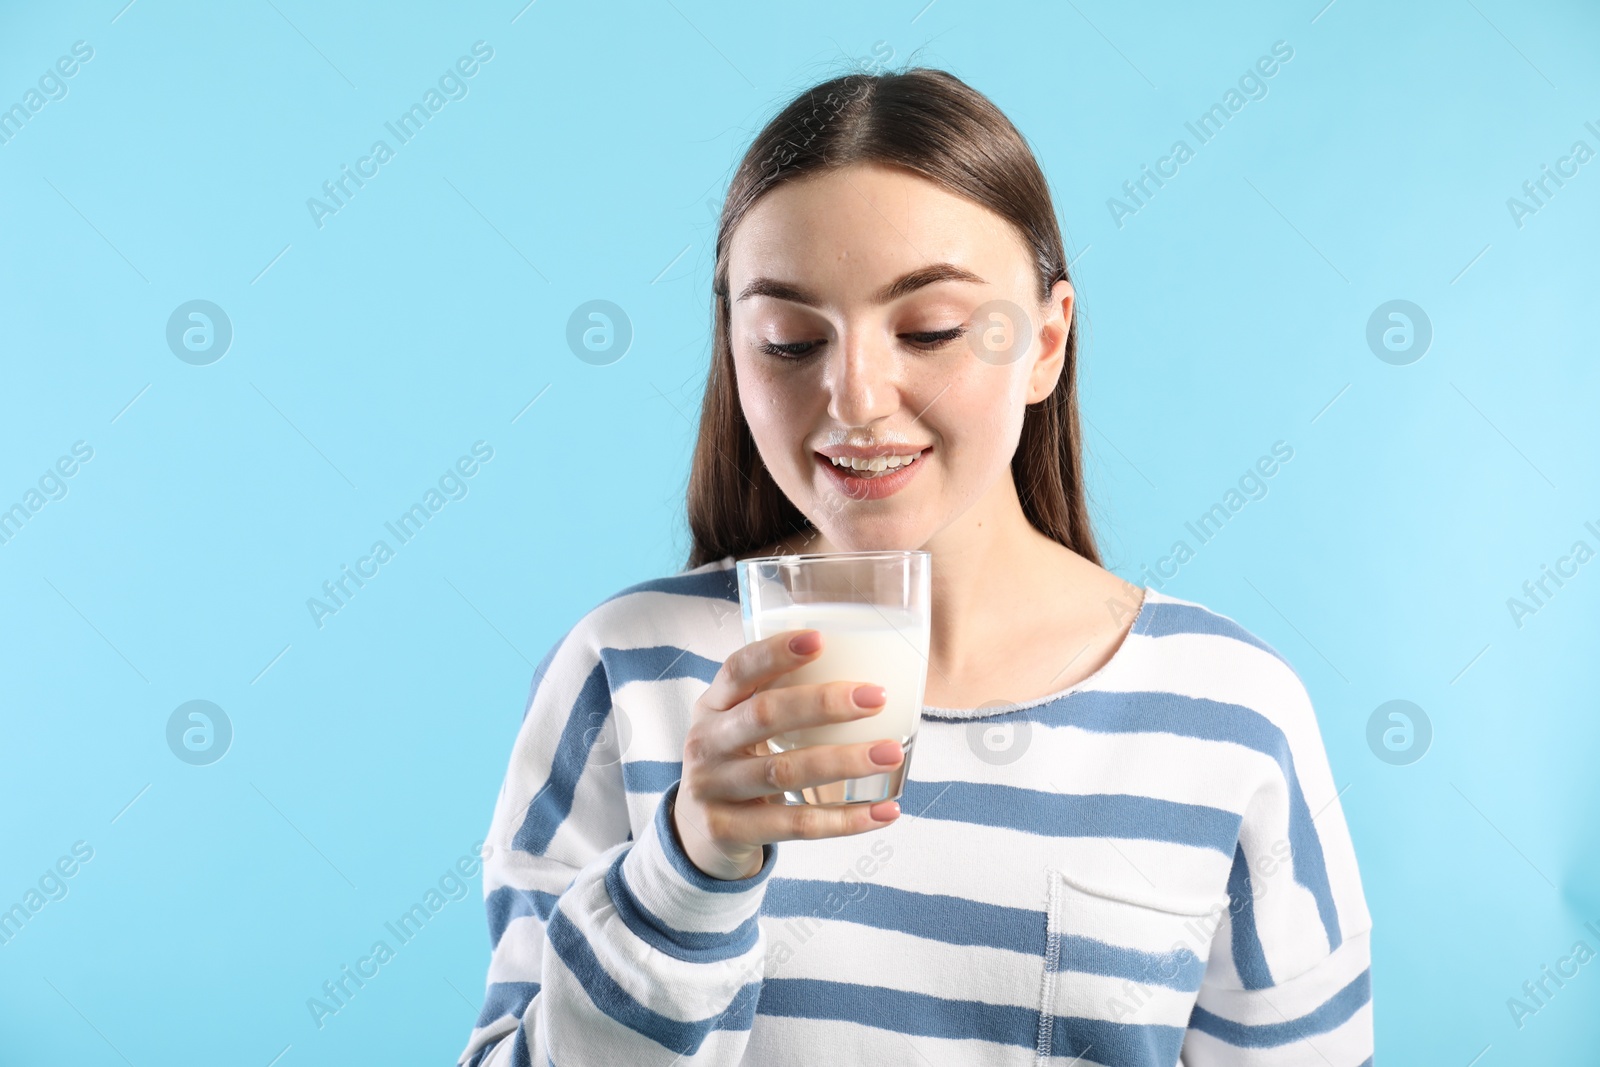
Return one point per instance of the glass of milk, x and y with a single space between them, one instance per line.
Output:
873 611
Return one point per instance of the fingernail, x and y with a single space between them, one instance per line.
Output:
806 643
868 696
885 753
885 810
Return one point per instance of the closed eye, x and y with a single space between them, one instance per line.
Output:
937 339
926 341
791 350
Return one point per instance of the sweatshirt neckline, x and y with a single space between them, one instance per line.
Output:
1141 624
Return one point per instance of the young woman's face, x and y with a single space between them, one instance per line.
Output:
874 313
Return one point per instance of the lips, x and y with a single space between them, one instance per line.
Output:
872 485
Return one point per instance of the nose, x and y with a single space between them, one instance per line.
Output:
861 380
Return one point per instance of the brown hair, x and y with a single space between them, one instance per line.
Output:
931 123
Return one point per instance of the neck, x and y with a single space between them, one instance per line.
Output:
987 571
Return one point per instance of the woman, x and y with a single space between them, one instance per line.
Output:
1120 843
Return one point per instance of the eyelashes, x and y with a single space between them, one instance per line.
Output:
792 350
929 341
936 339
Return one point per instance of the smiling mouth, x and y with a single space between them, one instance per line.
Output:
876 467
877 478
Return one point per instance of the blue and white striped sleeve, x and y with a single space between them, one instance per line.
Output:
1288 982
608 946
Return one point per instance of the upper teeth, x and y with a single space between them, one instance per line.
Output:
876 463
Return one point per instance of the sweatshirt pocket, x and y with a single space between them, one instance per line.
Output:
1121 973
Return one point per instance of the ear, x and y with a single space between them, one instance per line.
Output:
1052 338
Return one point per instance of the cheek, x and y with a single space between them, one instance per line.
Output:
979 418
772 407
983 405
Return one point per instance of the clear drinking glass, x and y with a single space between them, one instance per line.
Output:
873 611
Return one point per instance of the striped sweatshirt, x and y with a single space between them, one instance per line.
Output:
1150 867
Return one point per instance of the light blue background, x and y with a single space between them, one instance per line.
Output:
587 162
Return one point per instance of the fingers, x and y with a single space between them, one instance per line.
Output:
794 707
749 667
728 789
750 777
796 822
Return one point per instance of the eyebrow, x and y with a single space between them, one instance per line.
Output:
908 283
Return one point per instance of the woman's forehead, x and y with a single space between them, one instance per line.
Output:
866 225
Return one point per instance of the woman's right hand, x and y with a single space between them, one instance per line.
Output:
730 802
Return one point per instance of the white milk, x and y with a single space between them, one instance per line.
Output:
861 643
